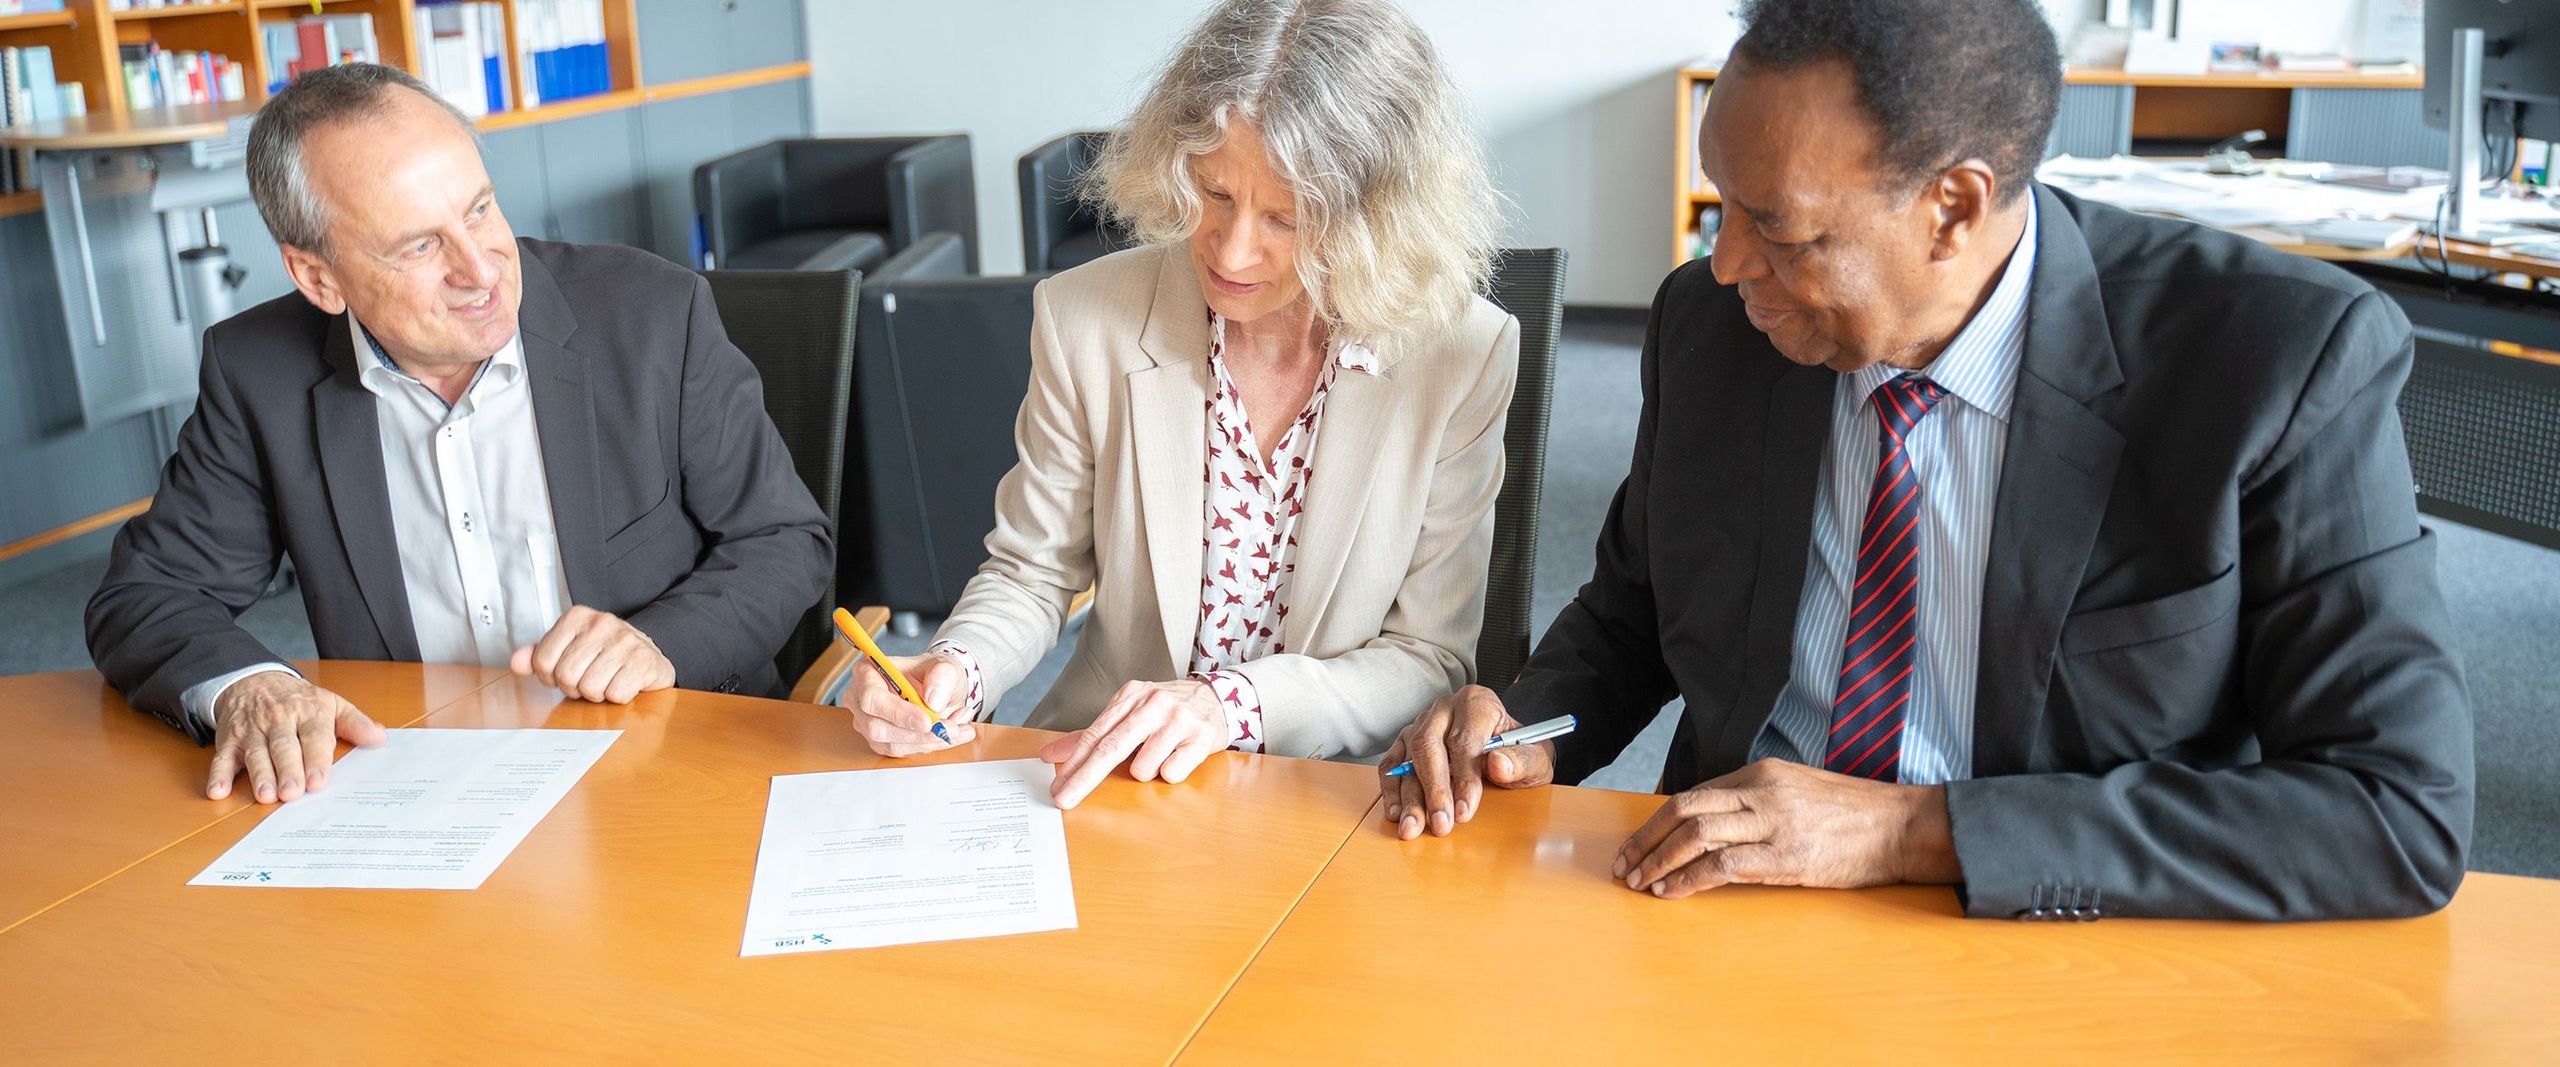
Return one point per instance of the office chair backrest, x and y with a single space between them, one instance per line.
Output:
797 327
945 364
837 182
1050 179
738 199
1528 283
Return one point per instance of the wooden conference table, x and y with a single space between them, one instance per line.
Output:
1260 912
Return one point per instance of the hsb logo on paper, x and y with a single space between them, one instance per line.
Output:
245 876
799 942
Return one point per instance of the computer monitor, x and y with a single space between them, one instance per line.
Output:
2521 62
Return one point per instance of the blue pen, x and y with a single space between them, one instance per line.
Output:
1525 735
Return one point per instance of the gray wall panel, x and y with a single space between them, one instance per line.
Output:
2371 127
763 33
766 112
514 159
682 39
2095 120
591 167
675 137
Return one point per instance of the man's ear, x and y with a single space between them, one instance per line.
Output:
314 278
1962 199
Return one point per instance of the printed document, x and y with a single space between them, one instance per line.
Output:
860 859
426 809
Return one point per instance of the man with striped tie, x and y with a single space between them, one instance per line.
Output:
1994 539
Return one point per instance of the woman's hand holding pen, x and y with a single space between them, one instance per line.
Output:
1445 746
896 728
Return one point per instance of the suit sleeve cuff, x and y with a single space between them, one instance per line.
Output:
202 698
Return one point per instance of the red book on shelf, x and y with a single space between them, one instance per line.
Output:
315 43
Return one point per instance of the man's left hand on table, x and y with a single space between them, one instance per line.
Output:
1781 823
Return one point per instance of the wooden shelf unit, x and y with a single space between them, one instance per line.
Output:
84 37
176 11
1688 200
35 20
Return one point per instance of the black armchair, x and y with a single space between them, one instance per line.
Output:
835 203
1060 230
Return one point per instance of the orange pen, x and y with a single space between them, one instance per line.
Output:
906 690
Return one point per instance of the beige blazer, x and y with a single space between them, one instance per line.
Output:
1107 491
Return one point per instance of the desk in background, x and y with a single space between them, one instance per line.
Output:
1260 912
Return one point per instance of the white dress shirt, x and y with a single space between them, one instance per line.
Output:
470 512
1956 450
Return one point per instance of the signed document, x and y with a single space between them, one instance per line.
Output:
859 859
427 809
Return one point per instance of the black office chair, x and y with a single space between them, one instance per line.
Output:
1528 283
1059 229
945 362
797 327
835 203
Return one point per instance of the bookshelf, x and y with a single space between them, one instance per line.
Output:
1691 195
84 37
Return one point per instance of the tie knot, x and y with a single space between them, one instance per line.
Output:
1901 402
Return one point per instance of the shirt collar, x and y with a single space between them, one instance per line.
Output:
384 374
1980 366
1348 355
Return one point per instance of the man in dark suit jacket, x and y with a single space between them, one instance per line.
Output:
474 449
2175 646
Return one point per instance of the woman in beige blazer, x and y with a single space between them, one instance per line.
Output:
1269 438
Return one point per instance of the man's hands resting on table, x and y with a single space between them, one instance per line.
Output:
595 656
1771 823
283 732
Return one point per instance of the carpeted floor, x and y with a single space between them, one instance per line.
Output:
2505 596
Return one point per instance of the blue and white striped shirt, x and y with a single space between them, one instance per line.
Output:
1956 451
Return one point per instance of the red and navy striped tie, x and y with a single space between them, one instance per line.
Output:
1876 661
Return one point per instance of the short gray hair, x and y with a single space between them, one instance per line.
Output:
1397 215
278 180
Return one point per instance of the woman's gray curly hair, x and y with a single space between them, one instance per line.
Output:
1396 216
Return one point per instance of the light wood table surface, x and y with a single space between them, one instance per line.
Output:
95 786
1506 942
612 932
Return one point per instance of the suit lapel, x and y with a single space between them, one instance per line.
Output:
565 419
1357 413
2055 482
1168 410
349 429
1792 443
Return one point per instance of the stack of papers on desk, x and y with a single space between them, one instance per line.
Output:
428 809
2288 196
858 859
2357 233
